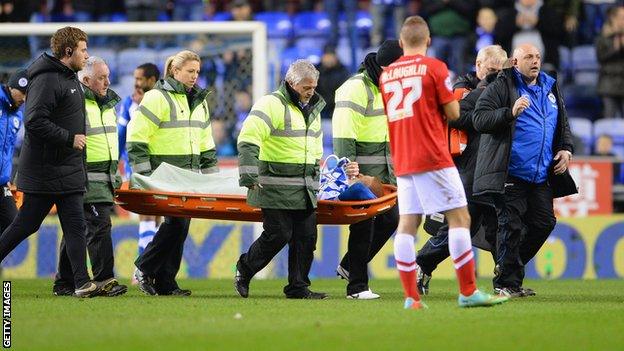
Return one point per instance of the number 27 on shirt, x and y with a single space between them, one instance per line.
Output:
403 94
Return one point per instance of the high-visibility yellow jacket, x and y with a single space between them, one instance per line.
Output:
166 128
360 127
279 148
102 146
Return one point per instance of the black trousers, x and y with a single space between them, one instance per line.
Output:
297 228
8 210
71 215
435 250
163 255
525 220
99 245
366 238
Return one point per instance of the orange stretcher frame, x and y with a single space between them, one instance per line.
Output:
235 207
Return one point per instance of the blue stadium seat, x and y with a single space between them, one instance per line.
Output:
291 54
614 128
565 58
163 17
127 82
315 24
125 86
288 56
278 24
37 17
582 100
589 78
119 17
305 43
583 128
129 59
108 55
584 58
163 55
277 45
363 23
219 17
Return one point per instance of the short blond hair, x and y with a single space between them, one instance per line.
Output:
414 32
492 53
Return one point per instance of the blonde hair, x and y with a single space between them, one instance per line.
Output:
178 60
493 53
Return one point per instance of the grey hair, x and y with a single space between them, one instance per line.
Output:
87 71
299 70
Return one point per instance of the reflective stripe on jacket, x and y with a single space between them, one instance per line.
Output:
166 129
360 127
280 146
102 146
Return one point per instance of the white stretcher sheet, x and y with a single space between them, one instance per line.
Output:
174 179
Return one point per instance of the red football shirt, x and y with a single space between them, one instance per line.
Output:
414 88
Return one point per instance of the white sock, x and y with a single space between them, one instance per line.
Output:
459 243
404 252
147 230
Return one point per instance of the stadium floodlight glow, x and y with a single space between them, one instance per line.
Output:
257 31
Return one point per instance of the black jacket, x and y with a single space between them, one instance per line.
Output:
467 81
330 79
493 118
55 113
467 161
611 79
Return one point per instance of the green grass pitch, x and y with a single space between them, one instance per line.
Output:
565 315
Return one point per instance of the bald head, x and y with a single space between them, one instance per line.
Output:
414 33
528 61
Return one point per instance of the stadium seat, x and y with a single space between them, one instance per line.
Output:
127 82
613 128
565 58
276 46
583 128
584 58
163 17
305 43
108 55
278 24
589 78
219 17
363 23
119 17
288 56
311 24
163 55
291 54
582 100
129 59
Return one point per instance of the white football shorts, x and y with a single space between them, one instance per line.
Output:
430 192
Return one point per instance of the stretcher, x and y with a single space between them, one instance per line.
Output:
235 207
